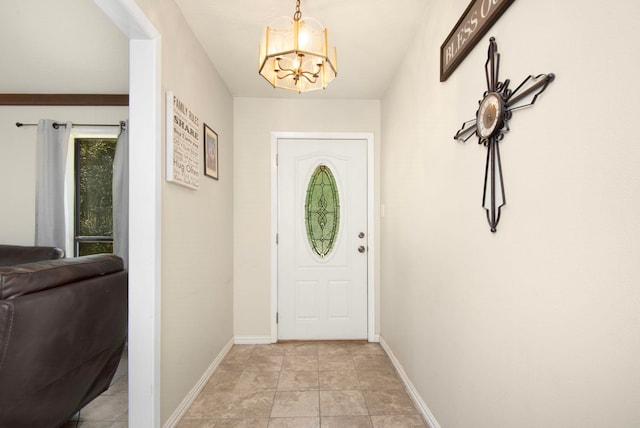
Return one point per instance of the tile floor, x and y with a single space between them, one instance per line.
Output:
295 384
305 385
109 410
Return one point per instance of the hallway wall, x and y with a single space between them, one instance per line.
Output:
537 324
254 120
197 225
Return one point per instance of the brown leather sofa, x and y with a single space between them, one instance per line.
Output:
63 328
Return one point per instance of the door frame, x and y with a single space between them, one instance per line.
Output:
145 209
371 298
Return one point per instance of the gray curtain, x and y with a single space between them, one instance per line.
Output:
121 195
51 156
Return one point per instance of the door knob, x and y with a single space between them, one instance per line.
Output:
361 249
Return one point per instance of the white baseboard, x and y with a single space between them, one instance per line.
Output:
413 392
266 340
193 394
252 340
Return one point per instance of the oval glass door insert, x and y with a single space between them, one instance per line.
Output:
322 211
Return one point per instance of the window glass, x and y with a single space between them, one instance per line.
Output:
322 211
94 199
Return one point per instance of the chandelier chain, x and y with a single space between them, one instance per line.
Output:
298 14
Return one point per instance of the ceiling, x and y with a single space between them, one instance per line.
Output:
62 46
70 46
370 36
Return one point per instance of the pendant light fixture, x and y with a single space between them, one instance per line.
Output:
295 54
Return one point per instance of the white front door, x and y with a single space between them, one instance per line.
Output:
322 238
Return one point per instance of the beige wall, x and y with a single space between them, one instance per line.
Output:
197 225
537 324
254 120
18 161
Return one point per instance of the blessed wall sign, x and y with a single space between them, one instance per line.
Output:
472 25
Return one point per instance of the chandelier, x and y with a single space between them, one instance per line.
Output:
295 54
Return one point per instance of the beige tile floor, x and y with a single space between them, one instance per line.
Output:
305 385
109 410
296 384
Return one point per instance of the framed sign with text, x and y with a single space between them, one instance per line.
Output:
183 144
472 25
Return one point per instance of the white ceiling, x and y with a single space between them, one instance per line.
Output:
62 46
370 37
70 46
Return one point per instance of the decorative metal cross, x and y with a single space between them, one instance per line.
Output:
492 122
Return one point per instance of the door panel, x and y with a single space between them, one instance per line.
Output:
322 296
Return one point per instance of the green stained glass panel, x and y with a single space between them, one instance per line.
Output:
322 211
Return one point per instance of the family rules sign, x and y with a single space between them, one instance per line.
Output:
183 143
472 25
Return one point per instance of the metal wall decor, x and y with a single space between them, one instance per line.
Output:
492 121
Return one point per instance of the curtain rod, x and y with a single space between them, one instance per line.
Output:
121 125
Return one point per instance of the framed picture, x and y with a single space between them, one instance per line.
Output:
210 152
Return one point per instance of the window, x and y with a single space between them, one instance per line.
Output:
322 211
93 201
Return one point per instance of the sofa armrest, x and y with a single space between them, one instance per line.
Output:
33 277
11 255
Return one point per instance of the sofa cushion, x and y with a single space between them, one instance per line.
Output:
11 255
33 277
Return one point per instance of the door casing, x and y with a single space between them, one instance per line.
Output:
371 316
